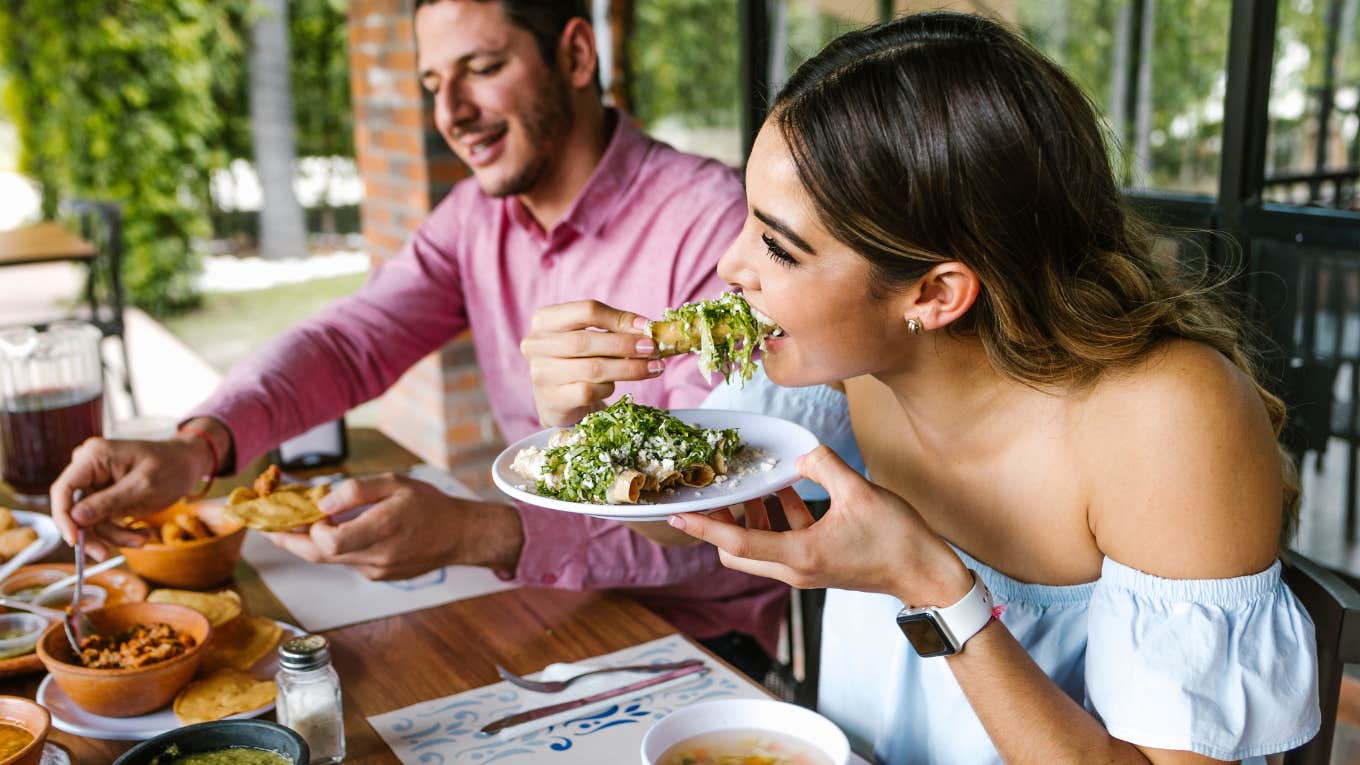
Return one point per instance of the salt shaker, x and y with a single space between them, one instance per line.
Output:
309 697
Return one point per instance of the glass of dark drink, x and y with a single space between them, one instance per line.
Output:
51 399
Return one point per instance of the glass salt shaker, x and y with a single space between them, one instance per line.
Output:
309 697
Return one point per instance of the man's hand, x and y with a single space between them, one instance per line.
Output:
410 528
574 365
121 478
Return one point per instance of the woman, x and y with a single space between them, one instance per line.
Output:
1048 412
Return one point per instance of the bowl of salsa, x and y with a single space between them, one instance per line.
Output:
222 742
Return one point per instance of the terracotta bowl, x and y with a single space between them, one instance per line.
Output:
26 714
192 565
126 692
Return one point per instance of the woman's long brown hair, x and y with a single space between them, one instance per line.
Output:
945 137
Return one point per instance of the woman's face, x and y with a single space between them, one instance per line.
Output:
818 290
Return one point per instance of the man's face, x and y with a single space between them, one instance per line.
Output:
502 109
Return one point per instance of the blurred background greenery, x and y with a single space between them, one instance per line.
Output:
141 102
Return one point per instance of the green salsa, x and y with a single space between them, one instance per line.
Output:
237 755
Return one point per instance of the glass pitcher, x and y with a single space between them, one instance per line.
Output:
51 399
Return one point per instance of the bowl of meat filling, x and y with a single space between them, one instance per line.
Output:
140 656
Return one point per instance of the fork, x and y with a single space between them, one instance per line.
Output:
554 686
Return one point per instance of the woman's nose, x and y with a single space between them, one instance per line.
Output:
734 269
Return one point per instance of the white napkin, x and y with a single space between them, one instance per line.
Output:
446 729
580 689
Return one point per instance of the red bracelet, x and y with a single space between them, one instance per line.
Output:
212 449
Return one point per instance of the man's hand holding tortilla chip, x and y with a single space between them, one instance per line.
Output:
409 528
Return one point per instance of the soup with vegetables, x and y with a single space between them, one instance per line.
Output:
743 747
13 739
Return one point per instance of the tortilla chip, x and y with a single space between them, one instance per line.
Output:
287 508
241 643
219 607
222 693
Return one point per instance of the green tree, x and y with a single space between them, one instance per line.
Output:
116 101
319 40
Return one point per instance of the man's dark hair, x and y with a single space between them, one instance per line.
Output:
544 19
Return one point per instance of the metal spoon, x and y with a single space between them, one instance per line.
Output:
76 623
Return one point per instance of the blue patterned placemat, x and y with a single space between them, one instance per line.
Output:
445 730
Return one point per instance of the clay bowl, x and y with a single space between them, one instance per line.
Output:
195 564
26 714
126 692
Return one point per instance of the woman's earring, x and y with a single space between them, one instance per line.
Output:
914 325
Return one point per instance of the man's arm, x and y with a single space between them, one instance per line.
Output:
348 354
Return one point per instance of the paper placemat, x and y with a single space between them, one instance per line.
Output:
446 730
323 596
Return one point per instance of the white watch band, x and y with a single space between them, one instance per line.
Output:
970 614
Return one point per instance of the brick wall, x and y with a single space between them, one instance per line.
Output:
438 409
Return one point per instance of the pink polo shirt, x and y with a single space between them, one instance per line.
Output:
645 233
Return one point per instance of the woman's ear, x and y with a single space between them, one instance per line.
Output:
944 294
577 53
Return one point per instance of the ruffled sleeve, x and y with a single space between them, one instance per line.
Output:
1226 668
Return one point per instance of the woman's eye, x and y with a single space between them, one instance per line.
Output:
778 253
485 70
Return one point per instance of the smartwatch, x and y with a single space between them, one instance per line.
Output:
943 631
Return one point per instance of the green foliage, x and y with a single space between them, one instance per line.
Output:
139 102
319 45
318 41
685 62
115 101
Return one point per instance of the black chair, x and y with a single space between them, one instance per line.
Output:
1334 606
101 223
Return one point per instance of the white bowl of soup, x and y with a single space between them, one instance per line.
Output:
762 731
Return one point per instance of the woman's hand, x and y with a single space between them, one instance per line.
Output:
574 364
870 539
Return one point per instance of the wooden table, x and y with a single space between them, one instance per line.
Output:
43 243
394 662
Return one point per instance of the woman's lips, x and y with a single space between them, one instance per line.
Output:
773 344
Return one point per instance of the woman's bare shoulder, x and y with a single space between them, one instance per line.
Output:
1182 464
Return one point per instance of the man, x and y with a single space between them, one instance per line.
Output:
568 201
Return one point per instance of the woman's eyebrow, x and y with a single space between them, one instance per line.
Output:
783 229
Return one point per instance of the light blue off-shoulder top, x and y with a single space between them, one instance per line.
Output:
1223 667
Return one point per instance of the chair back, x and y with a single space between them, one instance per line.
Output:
1334 606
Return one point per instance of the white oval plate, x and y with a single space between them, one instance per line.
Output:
76 721
47 531
780 442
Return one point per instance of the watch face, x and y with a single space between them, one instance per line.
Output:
925 635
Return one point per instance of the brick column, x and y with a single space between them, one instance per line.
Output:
438 410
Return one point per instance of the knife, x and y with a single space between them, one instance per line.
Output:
552 709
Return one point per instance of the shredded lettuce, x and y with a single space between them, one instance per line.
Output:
729 332
626 435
